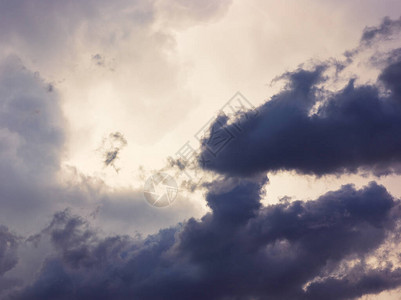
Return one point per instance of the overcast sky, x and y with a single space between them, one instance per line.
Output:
294 194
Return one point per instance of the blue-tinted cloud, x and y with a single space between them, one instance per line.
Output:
239 251
314 131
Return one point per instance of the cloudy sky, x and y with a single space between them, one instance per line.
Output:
274 128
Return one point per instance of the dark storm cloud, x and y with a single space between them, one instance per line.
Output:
391 77
311 130
239 251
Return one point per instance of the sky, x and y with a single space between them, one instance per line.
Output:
188 149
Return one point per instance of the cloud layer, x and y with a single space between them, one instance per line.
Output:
338 246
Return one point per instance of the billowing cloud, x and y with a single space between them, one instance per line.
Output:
297 250
310 129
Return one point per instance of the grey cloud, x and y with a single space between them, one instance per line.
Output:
32 118
46 27
183 13
239 251
31 129
8 247
9 243
42 28
387 28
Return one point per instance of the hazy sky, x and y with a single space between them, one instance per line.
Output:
301 203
